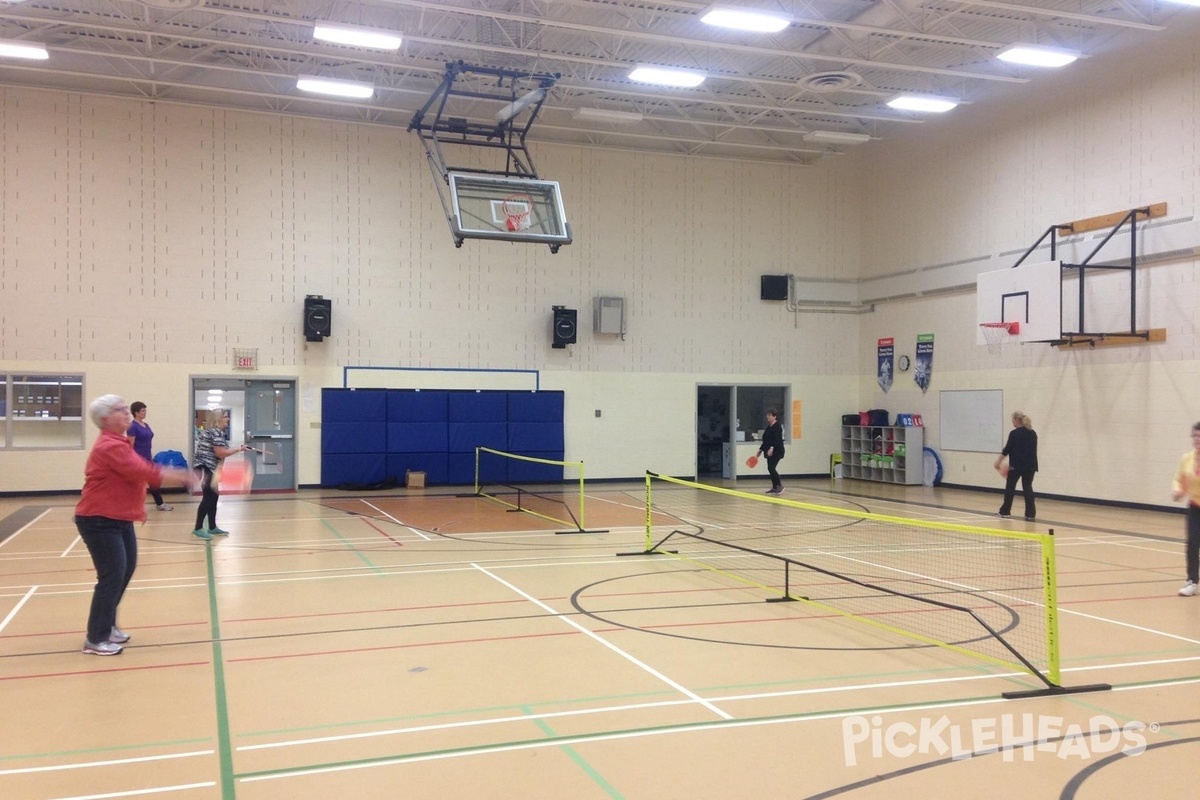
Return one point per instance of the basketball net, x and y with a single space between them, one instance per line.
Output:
516 209
997 334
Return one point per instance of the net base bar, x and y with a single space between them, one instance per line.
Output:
1056 690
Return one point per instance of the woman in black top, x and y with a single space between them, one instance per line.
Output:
772 448
1021 450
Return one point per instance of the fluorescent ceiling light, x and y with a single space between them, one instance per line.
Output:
922 102
667 76
606 115
1038 56
336 88
11 48
836 137
744 19
356 37
1185 2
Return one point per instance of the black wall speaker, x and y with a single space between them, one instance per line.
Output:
318 318
565 326
774 287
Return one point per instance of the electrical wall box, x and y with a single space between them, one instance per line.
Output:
608 315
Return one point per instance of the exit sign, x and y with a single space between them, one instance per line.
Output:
245 358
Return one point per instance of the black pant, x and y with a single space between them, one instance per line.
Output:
772 463
1193 543
208 500
113 546
157 495
1010 488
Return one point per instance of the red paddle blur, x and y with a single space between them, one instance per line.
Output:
752 462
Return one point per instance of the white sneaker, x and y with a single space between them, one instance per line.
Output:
166 507
102 648
1188 589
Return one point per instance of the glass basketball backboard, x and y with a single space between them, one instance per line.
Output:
506 208
1029 294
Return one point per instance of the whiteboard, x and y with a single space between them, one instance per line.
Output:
972 420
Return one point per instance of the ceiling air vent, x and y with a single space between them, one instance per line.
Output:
830 81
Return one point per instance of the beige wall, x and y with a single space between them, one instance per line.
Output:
1108 134
143 242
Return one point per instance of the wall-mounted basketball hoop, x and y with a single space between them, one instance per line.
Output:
999 334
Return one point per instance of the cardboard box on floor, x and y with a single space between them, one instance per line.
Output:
414 479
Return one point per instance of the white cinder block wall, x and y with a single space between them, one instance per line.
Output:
141 242
1108 134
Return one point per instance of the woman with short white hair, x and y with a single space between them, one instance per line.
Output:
114 497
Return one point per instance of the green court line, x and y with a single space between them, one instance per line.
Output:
579 760
558 741
139 747
352 548
589 701
224 745
564 741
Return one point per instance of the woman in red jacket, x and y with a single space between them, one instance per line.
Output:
114 497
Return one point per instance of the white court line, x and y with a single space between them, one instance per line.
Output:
136 792
666 731
70 547
596 637
733 698
25 527
398 522
13 613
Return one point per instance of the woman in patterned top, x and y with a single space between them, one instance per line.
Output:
212 447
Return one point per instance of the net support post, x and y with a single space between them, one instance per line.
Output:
1053 675
786 597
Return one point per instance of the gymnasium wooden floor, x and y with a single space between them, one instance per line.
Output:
425 645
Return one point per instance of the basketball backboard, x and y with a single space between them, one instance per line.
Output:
507 208
1029 294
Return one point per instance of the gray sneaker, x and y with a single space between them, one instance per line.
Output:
1188 589
102 648
166 507
118 636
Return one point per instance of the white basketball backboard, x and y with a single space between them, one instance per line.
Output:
1029 294
507 208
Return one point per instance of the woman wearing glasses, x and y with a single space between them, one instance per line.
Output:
114 497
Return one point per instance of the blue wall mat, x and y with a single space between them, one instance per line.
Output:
432 464
466 436
416 437
409 405
492 469
353 405
535 406
489 406
532 472
337 469
535 437
353 437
